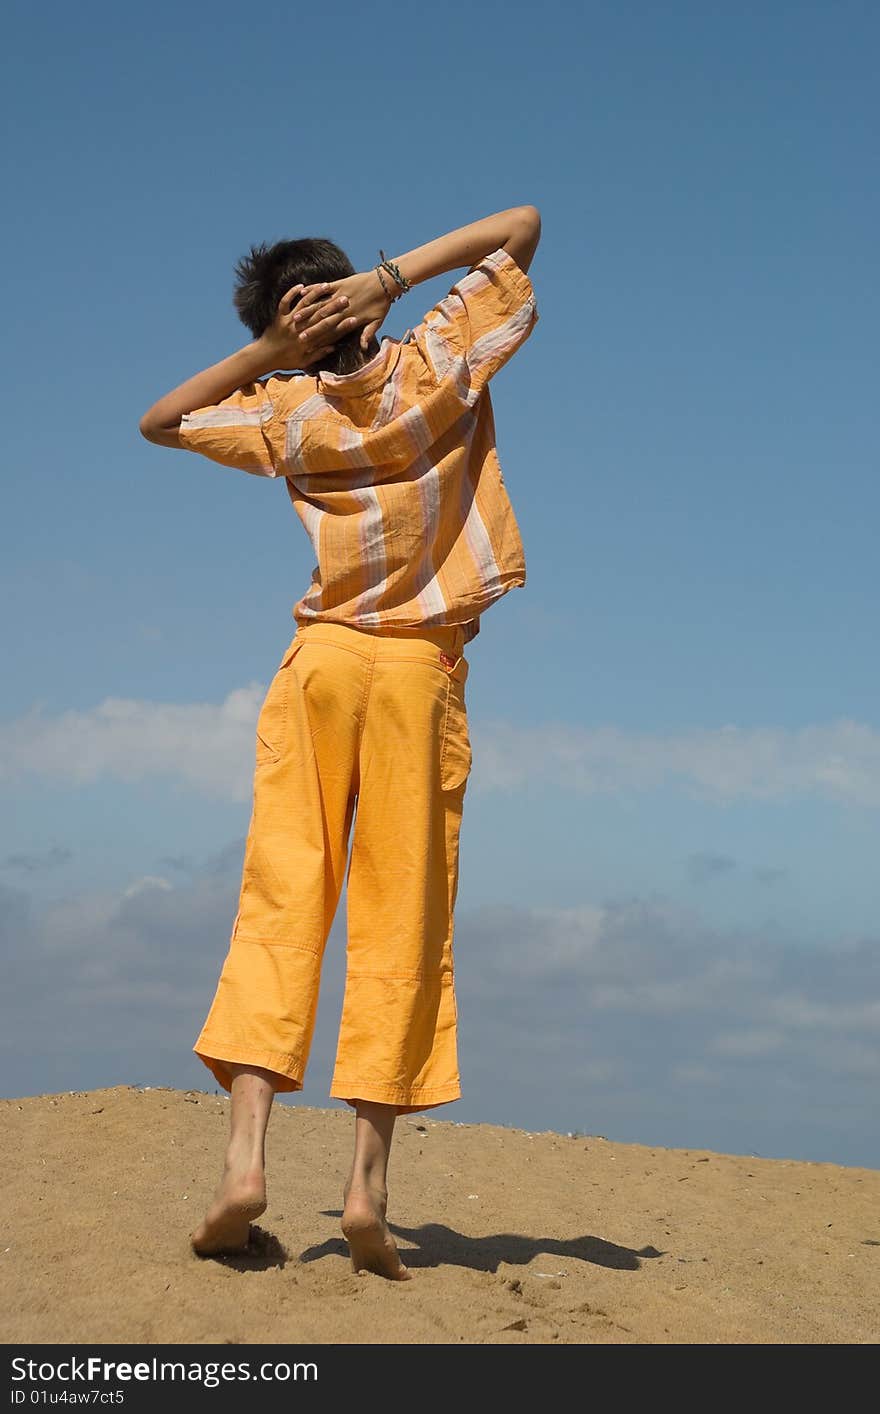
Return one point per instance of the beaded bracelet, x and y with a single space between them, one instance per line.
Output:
396 274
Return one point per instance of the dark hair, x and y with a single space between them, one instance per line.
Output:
268 271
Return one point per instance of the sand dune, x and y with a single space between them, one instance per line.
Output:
512 1237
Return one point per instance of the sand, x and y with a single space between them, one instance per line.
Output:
512 1237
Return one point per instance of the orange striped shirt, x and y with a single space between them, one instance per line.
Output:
393 469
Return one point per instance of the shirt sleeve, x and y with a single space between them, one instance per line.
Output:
481 323
235 432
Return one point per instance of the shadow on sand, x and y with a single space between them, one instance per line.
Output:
437 1245
263 1252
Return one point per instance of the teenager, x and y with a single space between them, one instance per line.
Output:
388 453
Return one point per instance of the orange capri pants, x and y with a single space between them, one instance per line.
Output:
366 728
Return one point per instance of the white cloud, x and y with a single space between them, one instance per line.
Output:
209 746
144 885
798 1011
840 760
206 745
748 1042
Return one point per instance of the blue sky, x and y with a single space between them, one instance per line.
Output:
668 883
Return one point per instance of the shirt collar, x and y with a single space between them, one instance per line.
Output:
371 375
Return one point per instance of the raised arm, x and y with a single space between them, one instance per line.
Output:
282 346
517 231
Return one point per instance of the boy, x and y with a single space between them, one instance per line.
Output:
388 453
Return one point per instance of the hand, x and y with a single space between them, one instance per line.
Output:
368 304
287 346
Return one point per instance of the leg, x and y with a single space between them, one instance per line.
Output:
241 1196
263 1011
366 1194
397 1036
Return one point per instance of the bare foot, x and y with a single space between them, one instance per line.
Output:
226 1226
370 1243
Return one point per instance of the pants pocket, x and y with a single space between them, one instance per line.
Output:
456 757
272 723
